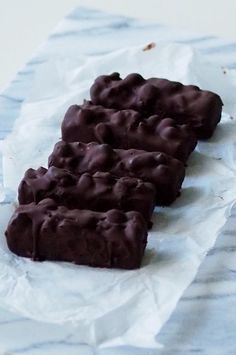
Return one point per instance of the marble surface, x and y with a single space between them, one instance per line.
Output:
205 319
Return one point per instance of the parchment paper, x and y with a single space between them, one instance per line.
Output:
114 307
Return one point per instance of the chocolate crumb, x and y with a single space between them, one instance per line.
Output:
149 46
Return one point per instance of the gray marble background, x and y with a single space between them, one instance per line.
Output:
204 321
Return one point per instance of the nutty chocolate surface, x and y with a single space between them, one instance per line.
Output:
46 231
99 192
165 172
127 129
183 103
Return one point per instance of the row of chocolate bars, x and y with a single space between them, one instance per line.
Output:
121 154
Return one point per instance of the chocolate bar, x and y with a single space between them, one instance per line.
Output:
165 172
44 231
98 192
183 103
127 129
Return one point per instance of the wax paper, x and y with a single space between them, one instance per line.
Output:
117 307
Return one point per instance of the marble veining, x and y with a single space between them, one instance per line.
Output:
204 322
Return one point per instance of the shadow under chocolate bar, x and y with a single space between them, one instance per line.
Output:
45 231
184 103
127 129
164 171
98 192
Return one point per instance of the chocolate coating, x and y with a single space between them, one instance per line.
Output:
165 172
183 103
98 192
47 232
127 129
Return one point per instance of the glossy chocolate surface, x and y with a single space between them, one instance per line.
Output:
165 172
183 103
46 231
127 129
98 192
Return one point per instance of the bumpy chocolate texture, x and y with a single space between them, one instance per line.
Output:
165 172
127 129
184 103
98 192
113 239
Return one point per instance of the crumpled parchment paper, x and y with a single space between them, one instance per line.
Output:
117 307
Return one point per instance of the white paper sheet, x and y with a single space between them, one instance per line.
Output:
114 307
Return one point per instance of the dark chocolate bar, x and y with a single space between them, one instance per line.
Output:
127 129
98 192
184 103
113 239
165 172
